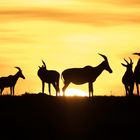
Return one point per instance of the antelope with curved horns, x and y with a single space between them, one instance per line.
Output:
50 77
137 73
10 81
87 74
128 77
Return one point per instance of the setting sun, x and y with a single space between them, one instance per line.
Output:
75 92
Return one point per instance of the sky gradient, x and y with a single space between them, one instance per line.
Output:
66 34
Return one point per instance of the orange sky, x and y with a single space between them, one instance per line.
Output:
65 34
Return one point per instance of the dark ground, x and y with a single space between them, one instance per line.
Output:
39 116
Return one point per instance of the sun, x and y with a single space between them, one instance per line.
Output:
75 92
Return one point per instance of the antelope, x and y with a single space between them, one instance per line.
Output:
10 81
128 77
87 74
137 73
50 77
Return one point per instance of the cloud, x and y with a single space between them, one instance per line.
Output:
117 2
97 18
127 2
7 30
15 39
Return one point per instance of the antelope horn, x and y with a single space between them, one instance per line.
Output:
103 56
126 61
131 60
136 54
44 63
18 68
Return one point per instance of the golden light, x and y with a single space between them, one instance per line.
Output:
75 92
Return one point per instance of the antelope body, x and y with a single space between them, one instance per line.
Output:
10 81
50 77
128 77
87 74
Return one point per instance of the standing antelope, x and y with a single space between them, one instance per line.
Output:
87 74
10 81
128 77
50 77
137 73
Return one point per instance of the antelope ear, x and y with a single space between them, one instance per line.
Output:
124 65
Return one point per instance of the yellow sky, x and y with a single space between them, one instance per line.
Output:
65 34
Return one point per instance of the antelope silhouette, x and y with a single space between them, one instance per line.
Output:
128 77
10 81
87 74
50 77
137 73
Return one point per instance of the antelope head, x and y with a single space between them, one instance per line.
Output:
106 64
20 72
128 65
43 66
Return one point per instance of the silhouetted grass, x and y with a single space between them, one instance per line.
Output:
48 117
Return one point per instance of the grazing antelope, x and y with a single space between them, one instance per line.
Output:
10 81
87 74
128 77
137 73
50 77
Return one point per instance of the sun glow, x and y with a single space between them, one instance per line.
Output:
75 92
